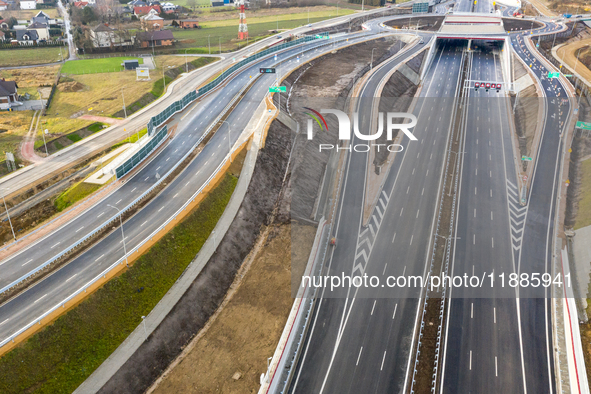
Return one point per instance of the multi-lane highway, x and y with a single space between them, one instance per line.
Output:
361 341
27 306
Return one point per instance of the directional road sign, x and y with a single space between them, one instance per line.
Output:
267 70
525 158
553 75
584 125
277 89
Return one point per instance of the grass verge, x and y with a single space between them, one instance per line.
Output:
74 194
59 358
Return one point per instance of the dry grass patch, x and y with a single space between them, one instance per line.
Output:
31 77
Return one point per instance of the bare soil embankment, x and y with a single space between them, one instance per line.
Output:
208 291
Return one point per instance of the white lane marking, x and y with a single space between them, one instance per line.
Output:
360 350
71 277
495 314
132 190
407 189
470 360
142 225
383 359
496 367
40 298
80 228
411 237
5 321
28 261
101 214
158 168
385 269
168 159
474 212
394 314
418 210
472 311
100 257
118 201
394 237
474 239
491 215
493 242
55 245
175 195
161 209
146 178
475 191
373 307
401 211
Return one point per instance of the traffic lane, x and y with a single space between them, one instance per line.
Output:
37 254
482 245
131 227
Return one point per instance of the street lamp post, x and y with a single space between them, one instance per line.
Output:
371 64
229 143
209 44
122 233
124 109
7 214
43 134
186 64
220 45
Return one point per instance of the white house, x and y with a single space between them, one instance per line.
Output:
3 5
41 28
104 36
28 4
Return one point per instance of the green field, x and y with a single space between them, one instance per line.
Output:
24 57
92 66
227 35
60 357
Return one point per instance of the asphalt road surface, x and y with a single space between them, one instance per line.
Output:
360 341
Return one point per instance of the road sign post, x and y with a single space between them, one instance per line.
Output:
525 158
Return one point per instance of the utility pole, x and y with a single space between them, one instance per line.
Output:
209 44
122 234
124 109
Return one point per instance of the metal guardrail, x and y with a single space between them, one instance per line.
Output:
144 152
193 95
123 211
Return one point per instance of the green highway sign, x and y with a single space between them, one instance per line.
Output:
525 158
568 75
553 75
325 36
277 89
584 125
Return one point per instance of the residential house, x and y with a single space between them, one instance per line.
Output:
3 5
137 3
80 4
104 36
8 94
152 21
2 36
41 17
169 8
139 11
41 28
28 4
26 37
151 39
186 23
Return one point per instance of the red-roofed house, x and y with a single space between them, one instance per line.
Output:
139 11
80 4
3 5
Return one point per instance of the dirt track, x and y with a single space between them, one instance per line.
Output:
568 54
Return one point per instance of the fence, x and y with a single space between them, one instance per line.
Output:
179 105
144 152
36 45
